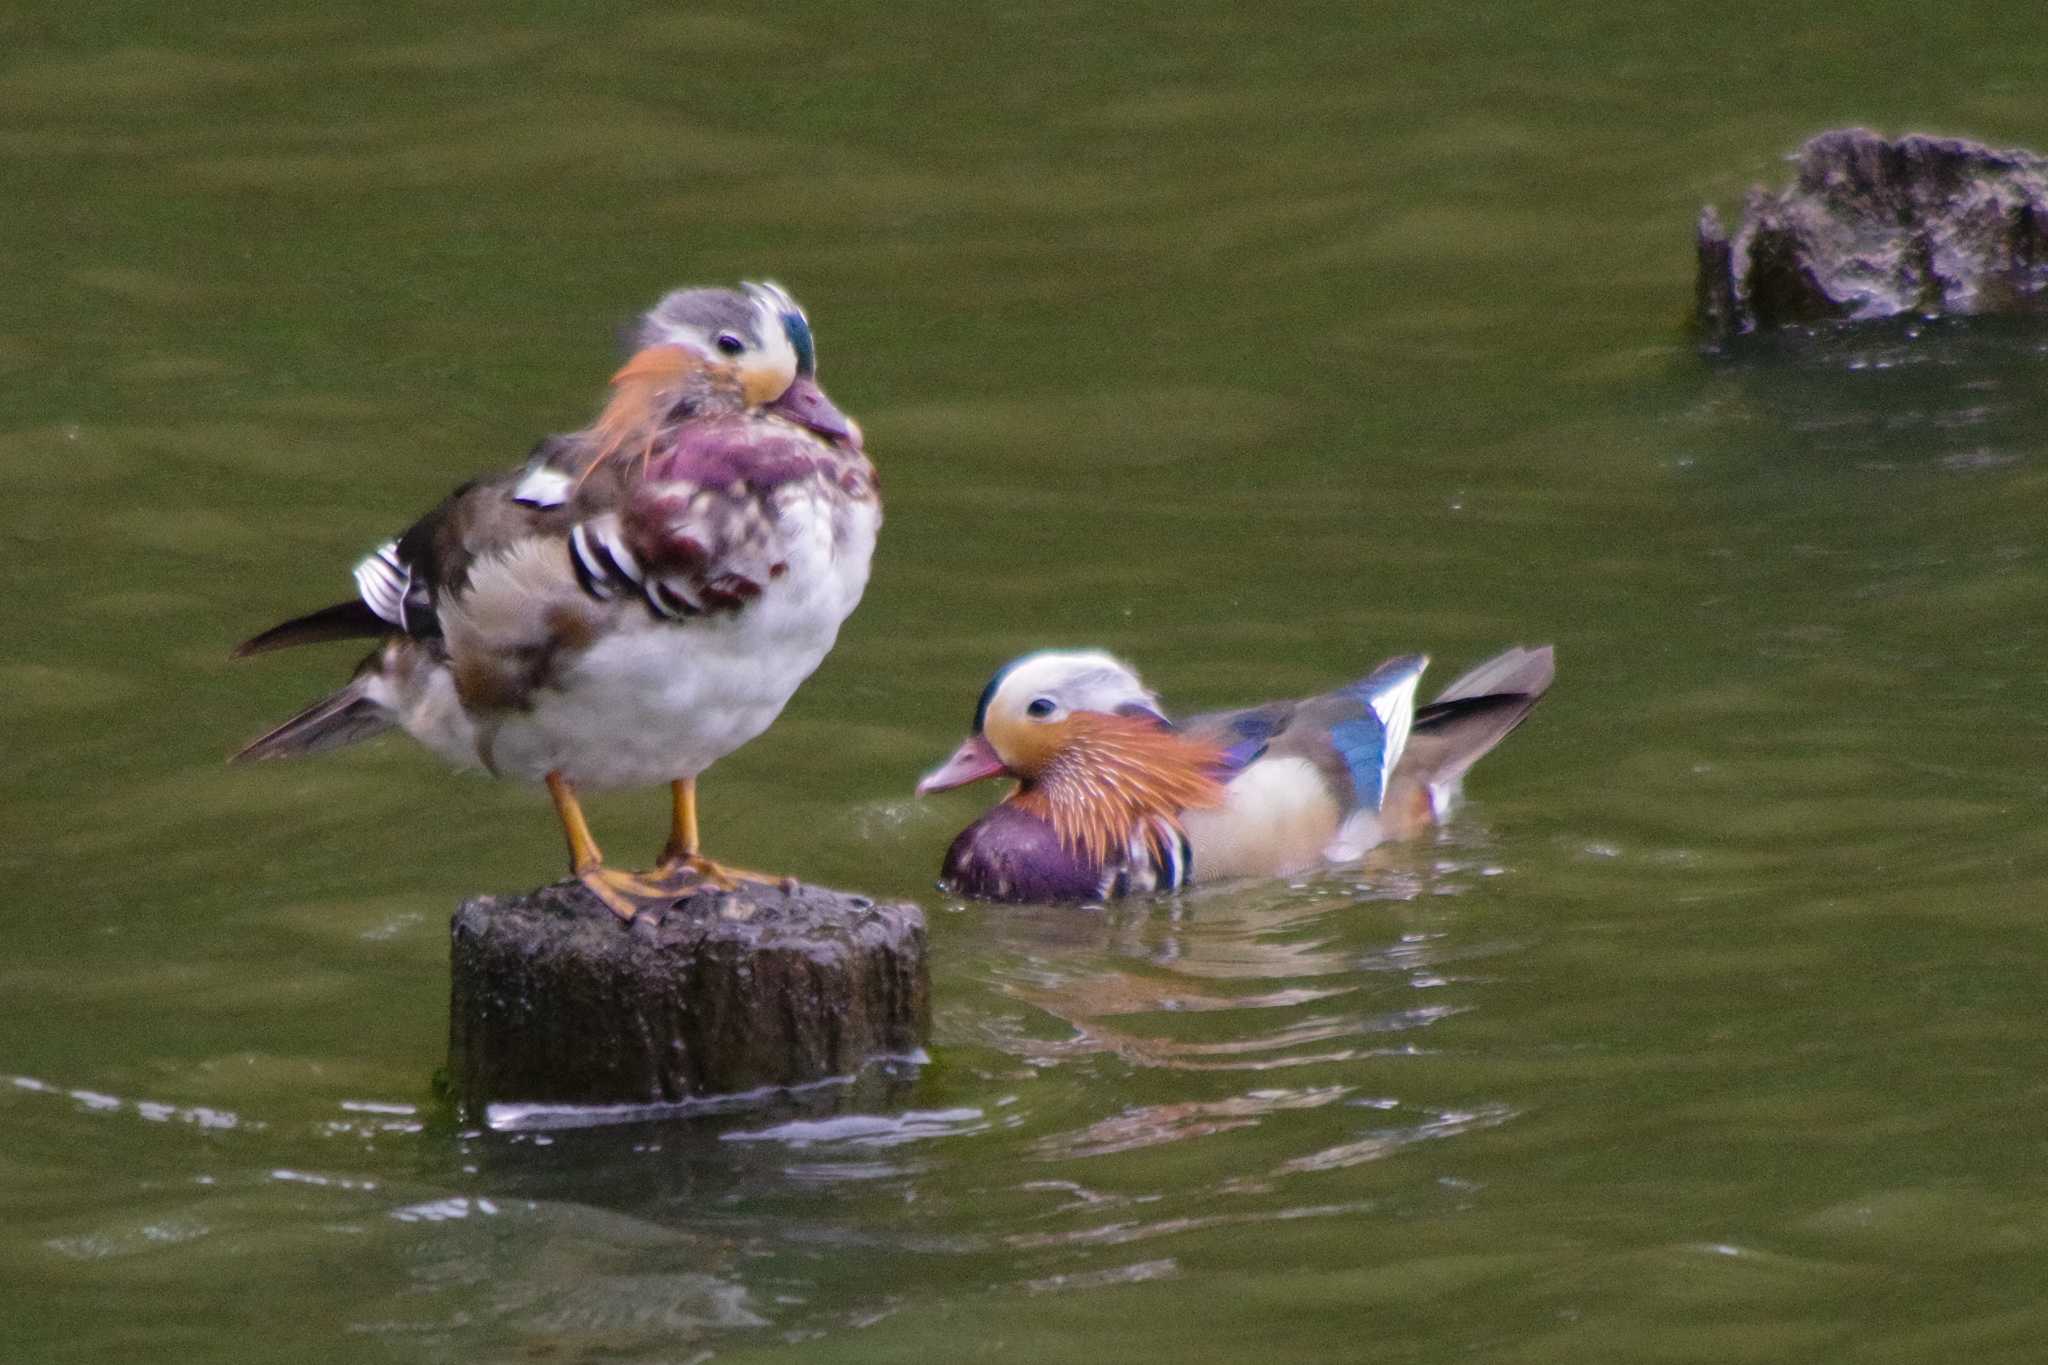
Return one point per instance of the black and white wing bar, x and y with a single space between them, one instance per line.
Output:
606 569
384 581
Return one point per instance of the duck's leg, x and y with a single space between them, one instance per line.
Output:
622 893
681 854
682 830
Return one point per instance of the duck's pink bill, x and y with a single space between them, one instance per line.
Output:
804 403
971 762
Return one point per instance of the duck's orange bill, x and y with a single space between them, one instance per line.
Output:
970 762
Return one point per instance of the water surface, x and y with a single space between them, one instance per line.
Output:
1257 349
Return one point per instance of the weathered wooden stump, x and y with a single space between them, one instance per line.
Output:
1874 228
556 1000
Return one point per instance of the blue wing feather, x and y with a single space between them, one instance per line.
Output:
1251 733
1371 742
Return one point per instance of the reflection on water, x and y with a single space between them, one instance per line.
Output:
883 1081
869 1130
1153 1124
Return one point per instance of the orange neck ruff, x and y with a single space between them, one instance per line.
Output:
644 392
1114 778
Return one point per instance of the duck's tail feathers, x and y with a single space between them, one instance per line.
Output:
344 717
350 620
1519 670
1476 712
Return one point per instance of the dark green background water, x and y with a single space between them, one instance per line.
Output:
1255 344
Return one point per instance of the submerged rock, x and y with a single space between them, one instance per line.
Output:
1872 228
554 999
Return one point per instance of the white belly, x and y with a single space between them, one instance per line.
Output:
654 701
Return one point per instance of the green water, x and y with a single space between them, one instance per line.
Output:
1257 345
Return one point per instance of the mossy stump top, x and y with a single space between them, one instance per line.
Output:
555 1000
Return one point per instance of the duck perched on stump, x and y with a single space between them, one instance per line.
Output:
636 601
1114 798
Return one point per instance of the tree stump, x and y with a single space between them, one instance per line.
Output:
556 1000
1872 228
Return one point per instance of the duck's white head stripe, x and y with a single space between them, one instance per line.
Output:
771 297
1079 680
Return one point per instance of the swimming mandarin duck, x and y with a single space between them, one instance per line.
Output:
1113 798
635 602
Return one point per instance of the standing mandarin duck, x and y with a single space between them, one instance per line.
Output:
1114 799
635 602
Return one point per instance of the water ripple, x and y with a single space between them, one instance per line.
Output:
330 1182
1254 1052
1153 1124
1136 1273
451 1209
155 1111
865 1130
1382 1143
543 1117
1118 1234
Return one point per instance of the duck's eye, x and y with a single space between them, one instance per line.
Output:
729 344
1040 708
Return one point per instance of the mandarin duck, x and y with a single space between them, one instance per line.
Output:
636 601
1114 799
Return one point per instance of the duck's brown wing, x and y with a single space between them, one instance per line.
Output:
399 584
